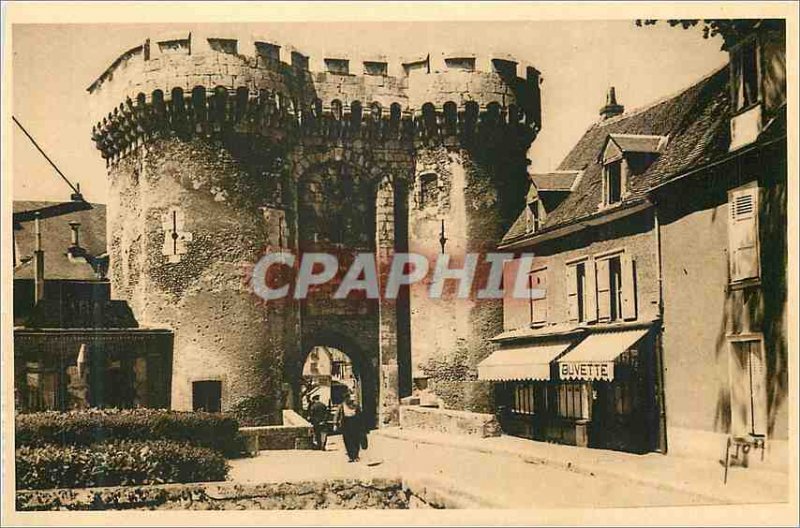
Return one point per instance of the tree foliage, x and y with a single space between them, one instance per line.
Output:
732 30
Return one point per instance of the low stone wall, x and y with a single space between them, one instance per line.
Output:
449 421
294 433
380 493
342 494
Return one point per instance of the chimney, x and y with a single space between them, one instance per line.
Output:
611 109
38 264
75 226
77 196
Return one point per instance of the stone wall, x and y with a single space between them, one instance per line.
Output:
294 433
220 149
378 493
448 421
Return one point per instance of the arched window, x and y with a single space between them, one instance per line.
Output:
429 119
177 106
158 102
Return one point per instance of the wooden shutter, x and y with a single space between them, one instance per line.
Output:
590 293
603 291
758 388
516 312
539 282
743 234
572 293
628 287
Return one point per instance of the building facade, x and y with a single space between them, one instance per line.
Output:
663 258
74 346
221 149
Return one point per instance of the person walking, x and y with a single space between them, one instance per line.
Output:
352 427
318 416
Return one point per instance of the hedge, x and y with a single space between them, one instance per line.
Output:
123 463
83 428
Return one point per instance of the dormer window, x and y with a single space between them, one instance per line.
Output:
744 62
612 182
534 216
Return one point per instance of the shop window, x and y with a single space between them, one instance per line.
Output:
748 384
744 63
529 398
574 400
207 396
616 288
612 183
538 281
743 250
428 189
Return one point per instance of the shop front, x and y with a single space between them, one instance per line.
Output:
599 389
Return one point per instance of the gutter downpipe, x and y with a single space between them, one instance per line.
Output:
659 348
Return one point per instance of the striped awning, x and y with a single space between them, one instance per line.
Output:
521 362
593 358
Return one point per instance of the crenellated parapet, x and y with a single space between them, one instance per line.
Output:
188 84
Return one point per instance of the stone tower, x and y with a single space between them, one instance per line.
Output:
220 149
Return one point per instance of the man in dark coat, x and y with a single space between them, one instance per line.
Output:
318 416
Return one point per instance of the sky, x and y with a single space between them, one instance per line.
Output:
54 64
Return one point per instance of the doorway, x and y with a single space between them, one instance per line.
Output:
329 373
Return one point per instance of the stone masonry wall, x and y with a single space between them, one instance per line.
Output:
223 139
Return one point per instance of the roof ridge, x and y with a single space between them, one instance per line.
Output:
663 99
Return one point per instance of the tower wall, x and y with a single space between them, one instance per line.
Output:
222 148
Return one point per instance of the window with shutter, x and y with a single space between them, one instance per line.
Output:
743 251
538 281
590 297
603 291
628 294
516 312
572 293
748 384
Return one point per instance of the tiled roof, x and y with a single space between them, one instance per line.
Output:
696 122
554 181
57 237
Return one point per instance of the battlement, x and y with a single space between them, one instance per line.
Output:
206 83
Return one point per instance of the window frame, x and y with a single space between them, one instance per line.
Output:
736 61
607 165
207 379
581 292
428 199
615 254
733 340
534 320
736 283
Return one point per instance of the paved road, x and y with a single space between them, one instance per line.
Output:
508 481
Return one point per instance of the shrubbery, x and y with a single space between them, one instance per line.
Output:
83 428
117 463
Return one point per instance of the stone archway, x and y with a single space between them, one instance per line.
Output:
362 365
330 375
